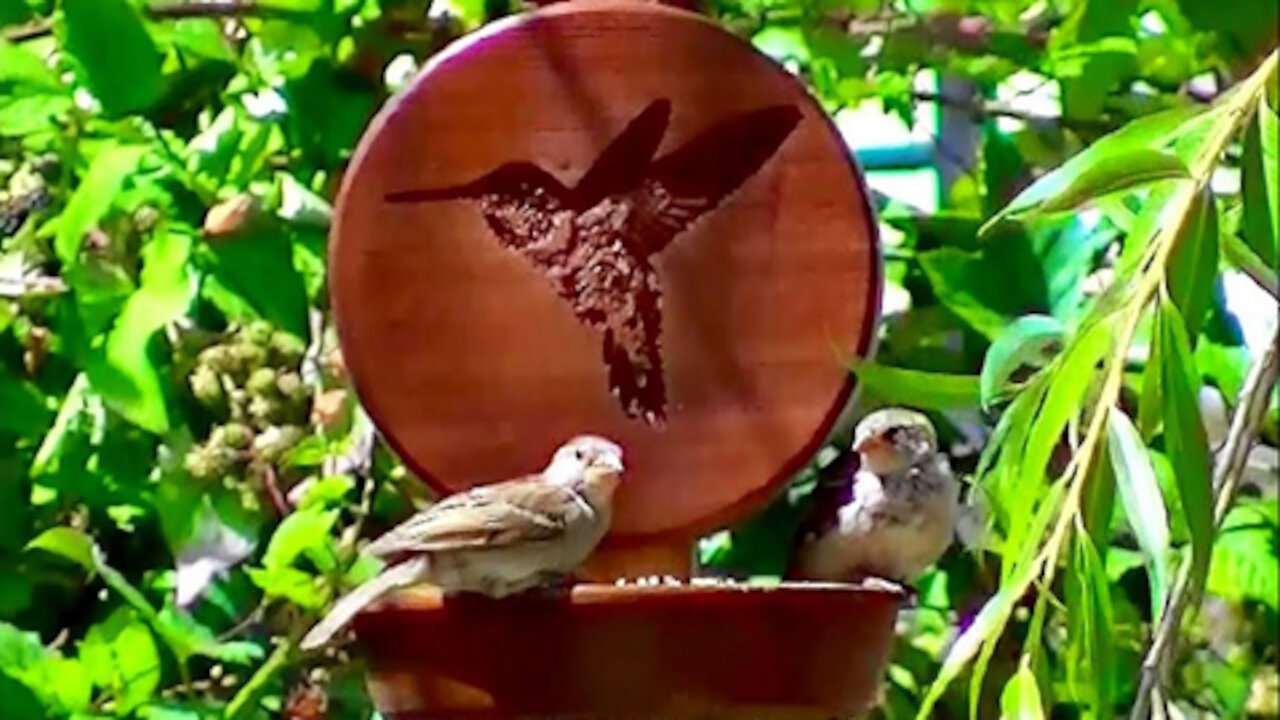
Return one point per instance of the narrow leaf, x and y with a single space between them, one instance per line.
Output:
1185 439
917 388
1193 263
1259 185
1089 602
97 189
1142 501
1091 174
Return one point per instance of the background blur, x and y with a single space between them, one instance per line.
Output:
185 474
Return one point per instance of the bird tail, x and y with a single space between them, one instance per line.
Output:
395 577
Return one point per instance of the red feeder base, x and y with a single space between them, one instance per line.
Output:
793 651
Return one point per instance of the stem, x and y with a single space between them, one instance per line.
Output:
254 686
1231 462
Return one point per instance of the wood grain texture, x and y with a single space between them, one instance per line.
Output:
474 368
797 651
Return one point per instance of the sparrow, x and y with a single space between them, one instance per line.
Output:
595 242
894 513
497 539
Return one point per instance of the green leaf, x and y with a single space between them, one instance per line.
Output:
123 656
63 685
31 114
258 271
21 69
1072 375
294 585
988 289
917 388
120 62
1193 262
328 491
122 370
305 532
93 196
1185 440
1142 501
1031 340
1092 622
1093 176
1246 555
1020 699
1260 186
67 543
25 410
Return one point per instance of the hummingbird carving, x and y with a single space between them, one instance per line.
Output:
595 241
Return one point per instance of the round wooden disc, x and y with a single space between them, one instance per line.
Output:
476 369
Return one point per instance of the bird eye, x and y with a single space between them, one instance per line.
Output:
580 454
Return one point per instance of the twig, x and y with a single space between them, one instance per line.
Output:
30 31
219 9
980 109
1229 469
253 687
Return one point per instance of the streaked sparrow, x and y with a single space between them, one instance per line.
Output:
496 539
899 509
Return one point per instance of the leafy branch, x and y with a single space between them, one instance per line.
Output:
1123 161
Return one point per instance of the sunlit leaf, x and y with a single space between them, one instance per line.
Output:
1102 169
304 532
1020 699
93 196
122 654
67 543
917 388
1029 341
122 369
63 685
1246 555
1185 438
1141 499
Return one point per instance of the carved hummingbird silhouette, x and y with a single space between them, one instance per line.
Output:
595 241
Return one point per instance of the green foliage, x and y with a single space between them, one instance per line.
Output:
176 505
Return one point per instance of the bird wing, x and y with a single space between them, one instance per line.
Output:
688 182
487 516
622 164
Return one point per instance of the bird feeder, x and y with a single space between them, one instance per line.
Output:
649 136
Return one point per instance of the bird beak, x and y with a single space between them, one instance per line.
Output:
873 444
612 463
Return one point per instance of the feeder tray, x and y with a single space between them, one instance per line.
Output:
475 365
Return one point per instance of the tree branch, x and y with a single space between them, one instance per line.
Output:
1229 469
218 9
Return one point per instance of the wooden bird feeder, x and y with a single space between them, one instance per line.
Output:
652 137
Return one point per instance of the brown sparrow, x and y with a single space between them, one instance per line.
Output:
900 506
496 539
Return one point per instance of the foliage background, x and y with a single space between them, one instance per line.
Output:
185 477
